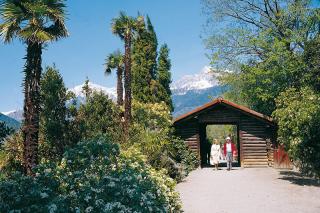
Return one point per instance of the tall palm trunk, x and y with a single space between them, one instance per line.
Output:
127 84
30 128
119 86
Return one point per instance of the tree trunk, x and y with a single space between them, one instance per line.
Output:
119 86
127 85
30 128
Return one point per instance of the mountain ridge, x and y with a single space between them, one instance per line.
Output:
188 92
10 122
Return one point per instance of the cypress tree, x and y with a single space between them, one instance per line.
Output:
153 42
164 76
53 114
144 60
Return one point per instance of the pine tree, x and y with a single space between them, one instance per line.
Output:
53 114
164 76
86 88
144 63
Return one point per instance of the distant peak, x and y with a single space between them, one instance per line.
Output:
111 91
9 112
204 79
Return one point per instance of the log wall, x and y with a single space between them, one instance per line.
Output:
189 132
255 139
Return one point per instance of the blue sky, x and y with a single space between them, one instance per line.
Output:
177 23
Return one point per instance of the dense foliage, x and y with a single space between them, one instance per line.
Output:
164 76
11 155
153 136
144 55
262 42
53 114
94 176
98 115
298 117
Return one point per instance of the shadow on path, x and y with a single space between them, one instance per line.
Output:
298 179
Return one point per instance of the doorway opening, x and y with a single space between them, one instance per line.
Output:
219 133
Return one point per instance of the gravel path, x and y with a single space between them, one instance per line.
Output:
248 190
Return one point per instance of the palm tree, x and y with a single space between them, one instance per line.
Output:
127 28
35 22
115 61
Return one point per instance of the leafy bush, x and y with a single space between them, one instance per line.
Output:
94 176
152 134
11 154
181 153
99 115
298 117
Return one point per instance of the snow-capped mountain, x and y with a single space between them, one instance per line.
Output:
9 121
203 80
15 114
192 91
78 91
188 92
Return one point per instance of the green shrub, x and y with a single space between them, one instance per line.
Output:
298 117
94 176
99 115
181 153
11 154
152 134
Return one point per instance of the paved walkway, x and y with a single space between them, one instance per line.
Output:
248 190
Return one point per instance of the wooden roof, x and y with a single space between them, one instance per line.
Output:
219 101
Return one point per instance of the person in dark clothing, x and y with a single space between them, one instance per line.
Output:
208 151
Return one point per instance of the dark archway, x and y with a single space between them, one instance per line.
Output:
206 136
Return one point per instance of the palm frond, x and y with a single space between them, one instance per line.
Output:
33 20
113 61
34 34
8 31
57 30
126 25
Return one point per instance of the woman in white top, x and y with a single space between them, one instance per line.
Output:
215 154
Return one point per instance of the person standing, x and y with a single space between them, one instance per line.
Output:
215 154
208 151
229 150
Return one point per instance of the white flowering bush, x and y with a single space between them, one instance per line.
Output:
94 176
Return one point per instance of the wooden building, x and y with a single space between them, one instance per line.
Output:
256 133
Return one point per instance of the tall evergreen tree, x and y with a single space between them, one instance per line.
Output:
153 49
144 62
35 22
164 75
53 113
86 88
